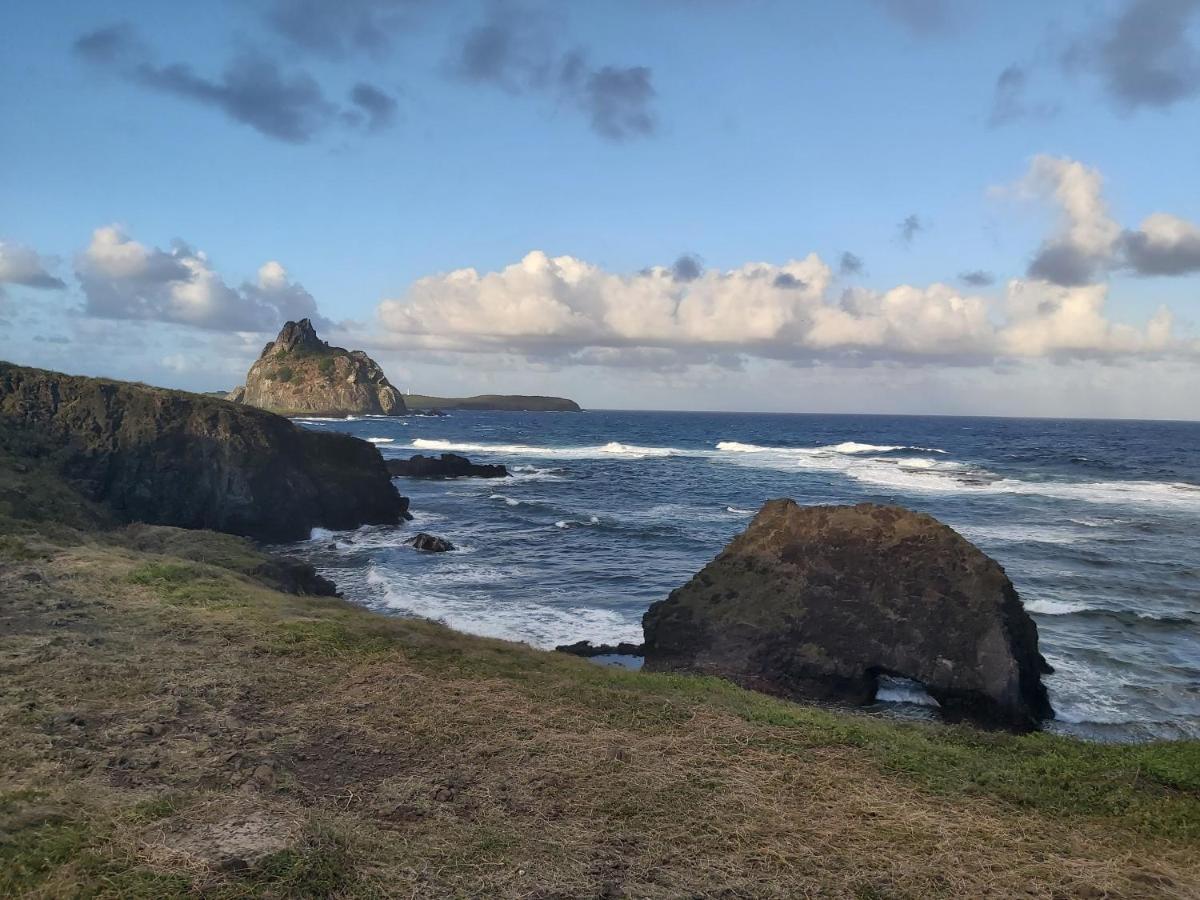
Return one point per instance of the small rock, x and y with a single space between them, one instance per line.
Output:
429 543
263 775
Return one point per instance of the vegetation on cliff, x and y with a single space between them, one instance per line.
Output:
168 457
502 402
300 374
172 724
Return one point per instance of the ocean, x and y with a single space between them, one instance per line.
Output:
1096 522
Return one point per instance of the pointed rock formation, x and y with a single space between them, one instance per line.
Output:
300 374
820 601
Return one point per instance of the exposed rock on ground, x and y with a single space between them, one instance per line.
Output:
820 601
429 543
172 458
300 374
448 465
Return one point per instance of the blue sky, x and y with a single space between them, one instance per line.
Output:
616 138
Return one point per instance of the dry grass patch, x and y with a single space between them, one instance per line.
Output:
179 729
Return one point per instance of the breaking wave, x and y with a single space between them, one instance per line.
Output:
611 449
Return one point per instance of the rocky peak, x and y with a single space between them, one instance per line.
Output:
300 374
296 336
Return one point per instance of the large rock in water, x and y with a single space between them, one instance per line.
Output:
171 458
818 602
448 465
300 374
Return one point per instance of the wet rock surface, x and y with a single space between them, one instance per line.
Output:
448 465
429 544
819 602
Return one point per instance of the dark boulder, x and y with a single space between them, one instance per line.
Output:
173 458
448 465
818 602
429 543
587 649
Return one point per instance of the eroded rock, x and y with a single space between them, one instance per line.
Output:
818 602
300 374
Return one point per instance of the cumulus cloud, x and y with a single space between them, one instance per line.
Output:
252 89
1086 237
124 279
566 308
519 50
25 267
1051 320
1088 242
1163 245
1144 56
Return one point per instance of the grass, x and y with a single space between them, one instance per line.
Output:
171 726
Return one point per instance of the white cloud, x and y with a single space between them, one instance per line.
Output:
566 308
23 266
1164 245
1088 242
124 279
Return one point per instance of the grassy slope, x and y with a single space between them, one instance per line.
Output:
168 725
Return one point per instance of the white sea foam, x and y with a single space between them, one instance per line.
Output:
903 690
1054 607
1022 534
611 449
381 440
439 595
907 474
510 501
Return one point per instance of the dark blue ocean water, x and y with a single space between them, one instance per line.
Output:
1096 522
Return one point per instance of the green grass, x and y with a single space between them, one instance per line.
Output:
1153 788
320 866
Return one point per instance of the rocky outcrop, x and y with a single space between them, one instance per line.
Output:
818 602
501 402
588 650
171 458
300 374
448 465
429 544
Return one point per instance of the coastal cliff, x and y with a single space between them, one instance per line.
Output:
183 716
300 374
173 458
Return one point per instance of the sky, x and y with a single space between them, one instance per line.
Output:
876 206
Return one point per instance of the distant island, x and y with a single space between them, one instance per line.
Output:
508 402
298 374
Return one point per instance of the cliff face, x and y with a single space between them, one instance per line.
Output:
298 373
171 458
